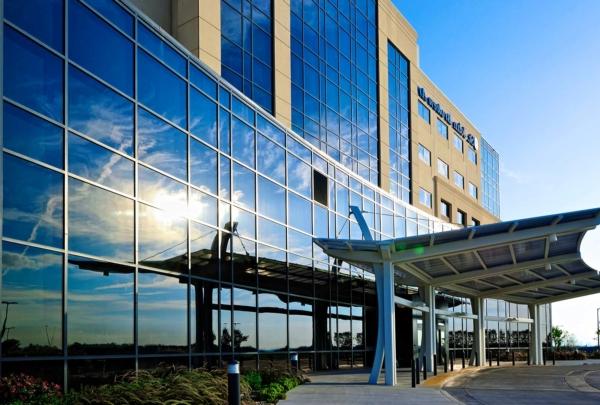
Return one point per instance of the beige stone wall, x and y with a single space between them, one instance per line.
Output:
283 63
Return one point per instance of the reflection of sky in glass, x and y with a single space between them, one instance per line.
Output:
32 75
33 203
162 191
203 120
300 212
271 232
271 199
301 326
45 24
99 112
162 310
98 164
243 186
272 331
161 145
100 222
242 141
100 303
32 280
32 136
271 159
203 166
203 207
299 176
161 49
162 236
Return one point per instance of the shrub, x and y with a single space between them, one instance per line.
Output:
22 388
273 392
254 379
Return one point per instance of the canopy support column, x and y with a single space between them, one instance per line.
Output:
386 325
429 327
535 343
478 305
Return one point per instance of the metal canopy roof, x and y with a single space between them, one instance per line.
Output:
530 261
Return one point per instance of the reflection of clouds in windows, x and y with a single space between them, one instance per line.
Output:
12 261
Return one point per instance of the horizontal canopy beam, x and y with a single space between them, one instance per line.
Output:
504 269
539 284
567 296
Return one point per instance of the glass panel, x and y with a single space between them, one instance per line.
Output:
99 112
271 232
224 129
203 120
299 243
149 40
203 81
33 202
161 90
299 175
98 164
162 191
162 313
271 199
100 305
203 166
242 141
27 134
243 186
271 159
269 129
100 222
272 322
204 247
41 18
244 320
302 217
162 145
32 75
114 13
204 306
245 222
99 48
31 301
203 207
163 239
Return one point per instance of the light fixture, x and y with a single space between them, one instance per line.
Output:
548 267
573 282
552 238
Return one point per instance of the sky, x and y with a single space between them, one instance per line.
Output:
527 75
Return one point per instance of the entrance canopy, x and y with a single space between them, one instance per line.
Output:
528 261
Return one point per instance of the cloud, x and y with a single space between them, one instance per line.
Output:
516 177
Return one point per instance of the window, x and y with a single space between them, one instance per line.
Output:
442 129
203 119
446 210
203 166
271 199
298 175
320 187
271 159
473 190
425 155
458 143
443 168
424 112
461 218
41 18
472 155
475 222
425 197
243 146
459 180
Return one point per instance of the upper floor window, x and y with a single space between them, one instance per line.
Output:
473 190
424 154
461 217
446 210
472 155
475 222
443 168
442 129
459 180
425 197
424 112
458 143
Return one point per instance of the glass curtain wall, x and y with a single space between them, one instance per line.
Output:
504 333
173 223
490 178
334 80
399 131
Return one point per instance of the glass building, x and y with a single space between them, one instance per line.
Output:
155 212
490 178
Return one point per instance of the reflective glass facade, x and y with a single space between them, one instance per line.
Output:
490 178
172 222
247 48
399 109
334 80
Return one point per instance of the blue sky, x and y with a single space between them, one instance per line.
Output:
527 74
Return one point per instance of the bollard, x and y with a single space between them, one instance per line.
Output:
491 353
418 371
233 382
445 361
528 358
498 358
463 359
294 361
452 361
476 358
434 364
413 377
513 357
553 358
544 356
424 368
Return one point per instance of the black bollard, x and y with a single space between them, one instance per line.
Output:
544 356
452 361
445 361
553 358
435 364
463 359
233 382
491 353
513 357
528 358
418 371
413 377
424 368
476 359
294 361
498 358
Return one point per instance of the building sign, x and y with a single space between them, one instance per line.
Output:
457 126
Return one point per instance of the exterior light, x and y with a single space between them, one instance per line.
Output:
548 267
573 282
552 238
